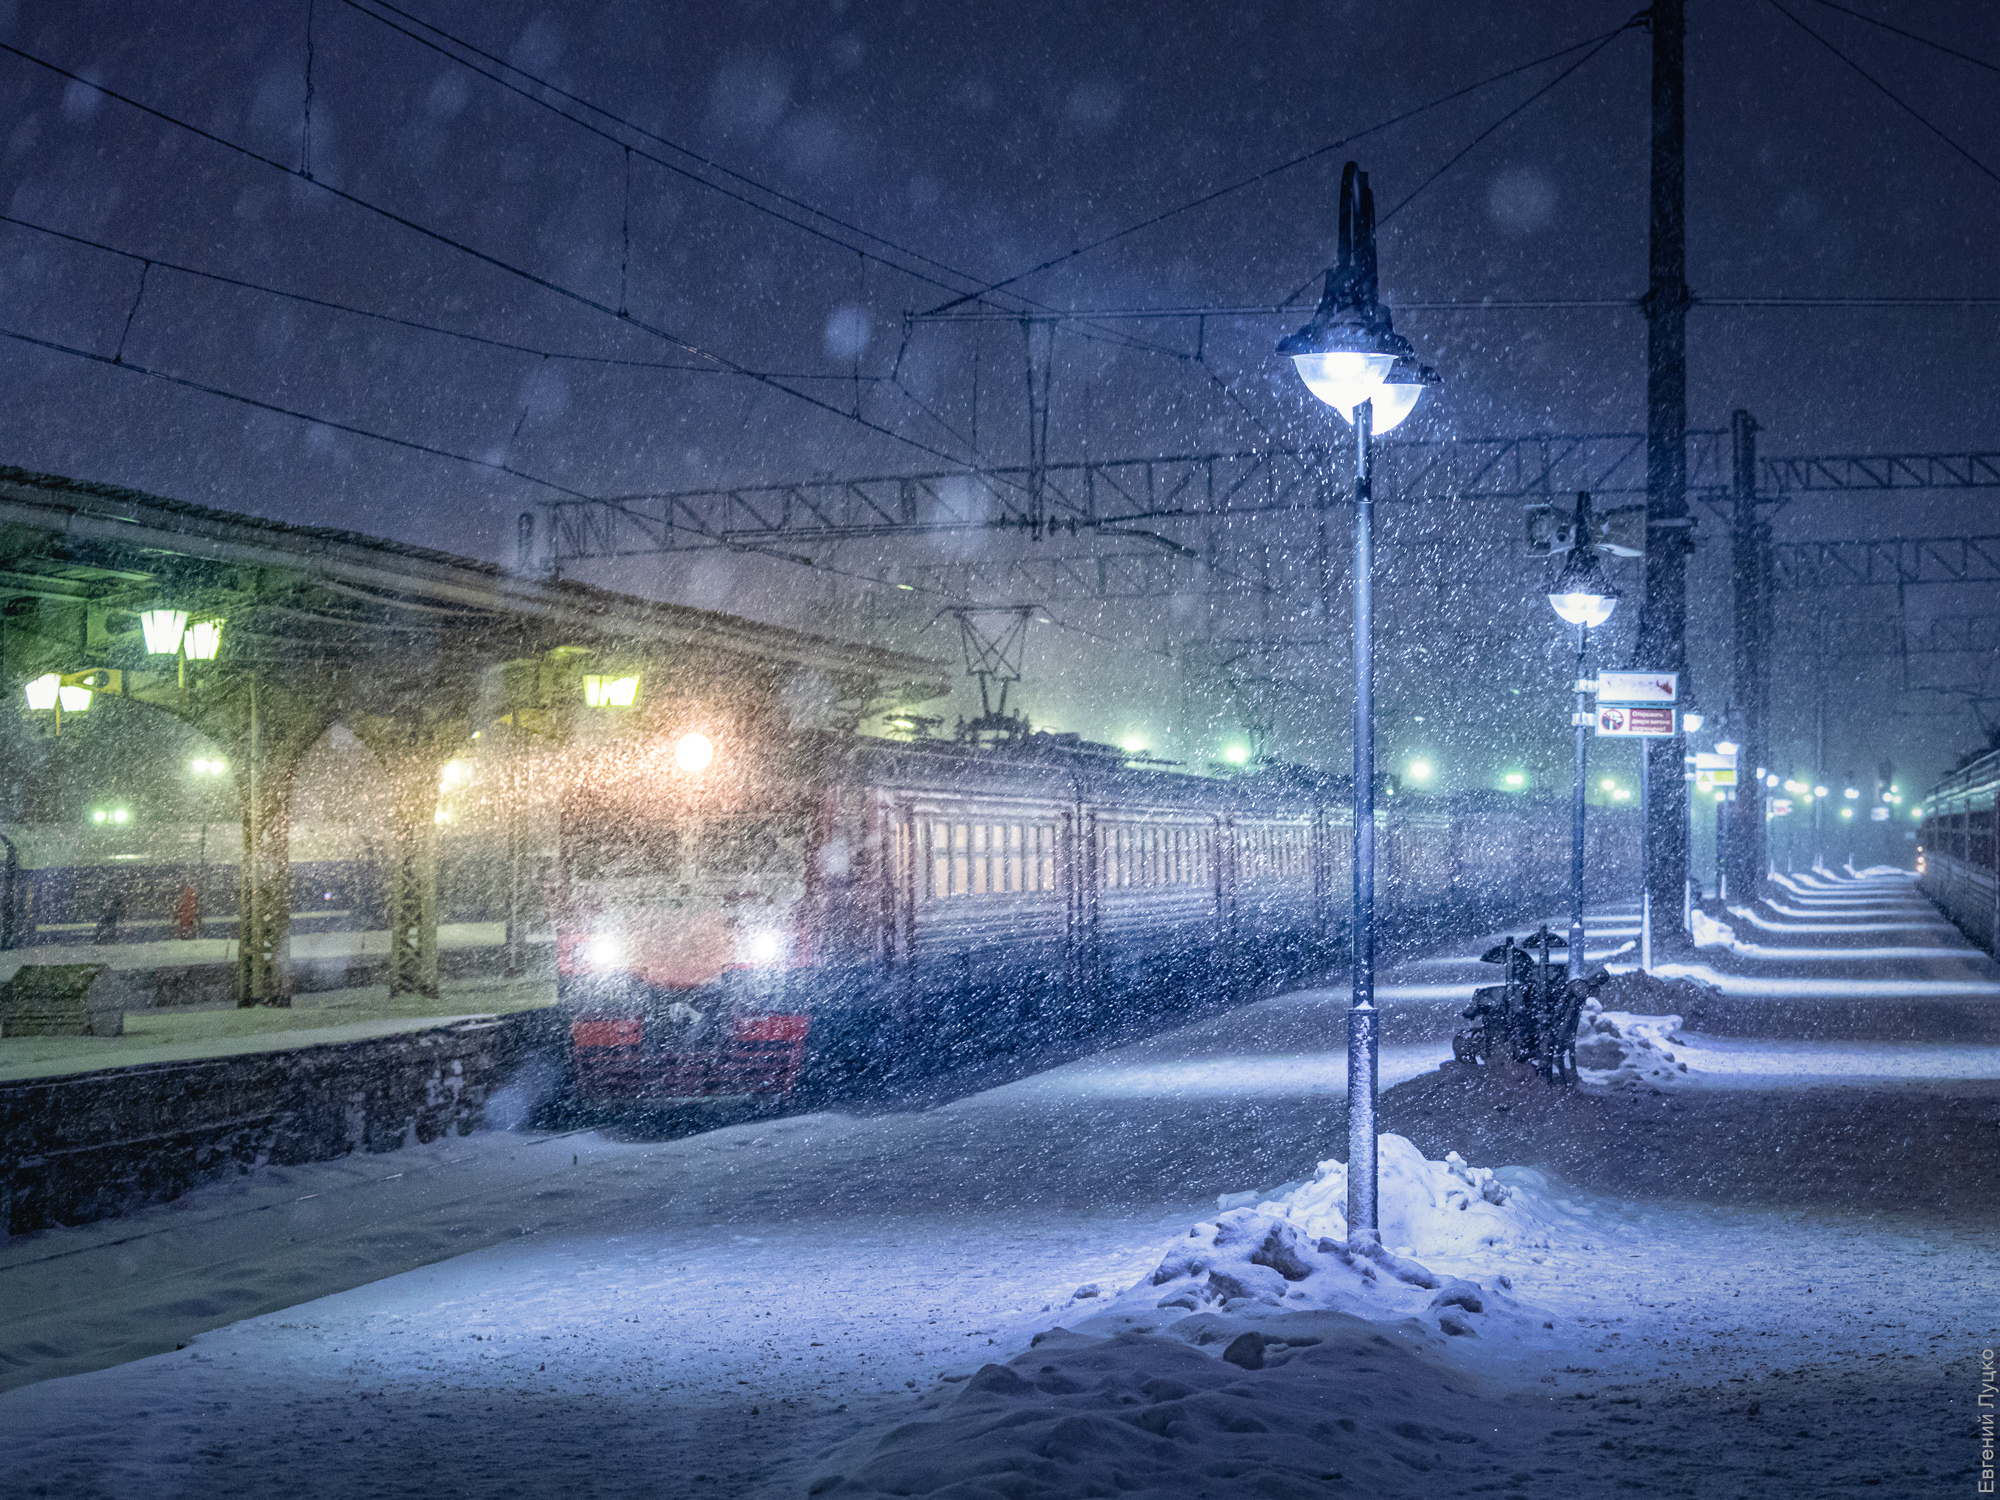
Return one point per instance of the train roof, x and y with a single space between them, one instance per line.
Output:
1973 784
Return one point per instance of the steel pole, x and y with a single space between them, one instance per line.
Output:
1646 857
1363 1033
1580 718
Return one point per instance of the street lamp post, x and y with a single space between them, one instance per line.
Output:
1582 597
1351 358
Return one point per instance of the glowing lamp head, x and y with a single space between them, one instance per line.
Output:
163 629
203 640
1851 793
1399 393
610 692
1344 378
1819 791
1132 744
693 753
1583 595
74 698
1515 779
1420 770
604 951
763 945
43 691
1607 785
1236 755
1351 345
1692 720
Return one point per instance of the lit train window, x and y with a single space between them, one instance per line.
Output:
1150 854
990 859
1268 852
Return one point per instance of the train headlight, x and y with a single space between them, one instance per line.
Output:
604 951
763 945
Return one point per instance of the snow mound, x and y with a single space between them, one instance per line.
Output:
1291 1251
1618 1049
1711 932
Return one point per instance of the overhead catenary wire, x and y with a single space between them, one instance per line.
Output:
1269 172
1888 93
499 263
373 7
1922 41
431 450
370 10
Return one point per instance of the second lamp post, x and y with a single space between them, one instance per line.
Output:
1582 597
1351 358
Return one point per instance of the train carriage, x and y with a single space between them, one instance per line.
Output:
1958 858
859 908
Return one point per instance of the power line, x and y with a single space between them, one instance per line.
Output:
658 161
1270 172
652 135
306 298
1467 149
1123 341
1922 41
285 411
546 283
432 451
1896 99
1492 305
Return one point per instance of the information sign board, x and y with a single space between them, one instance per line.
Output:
1638 687
1620 720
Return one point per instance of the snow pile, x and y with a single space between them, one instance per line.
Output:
1711 932
1291 1251
1618 1049
1319 1404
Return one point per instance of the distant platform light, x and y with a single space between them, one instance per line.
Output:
1420 770
693 752
610 692
1851 793
1819 791
203 640
1514 778
1236 755
163 629
42 692
1847 812
1132 744
1608 784
1621 794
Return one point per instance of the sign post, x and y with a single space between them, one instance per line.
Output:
1640 705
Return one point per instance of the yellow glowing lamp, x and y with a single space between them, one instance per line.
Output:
694 752
163 629
42 692
610 692
203 640
74 698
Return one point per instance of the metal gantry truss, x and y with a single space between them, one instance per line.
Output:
1113 502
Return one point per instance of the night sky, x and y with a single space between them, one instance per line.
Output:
977 141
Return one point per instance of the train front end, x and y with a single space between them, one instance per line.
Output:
681 928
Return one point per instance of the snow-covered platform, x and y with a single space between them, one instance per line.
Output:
1770 1272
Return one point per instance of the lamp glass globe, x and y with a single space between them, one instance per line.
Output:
1344 379
1586 609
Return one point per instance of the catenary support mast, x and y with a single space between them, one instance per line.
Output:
1662 644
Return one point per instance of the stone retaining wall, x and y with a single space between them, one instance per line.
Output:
93 1145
